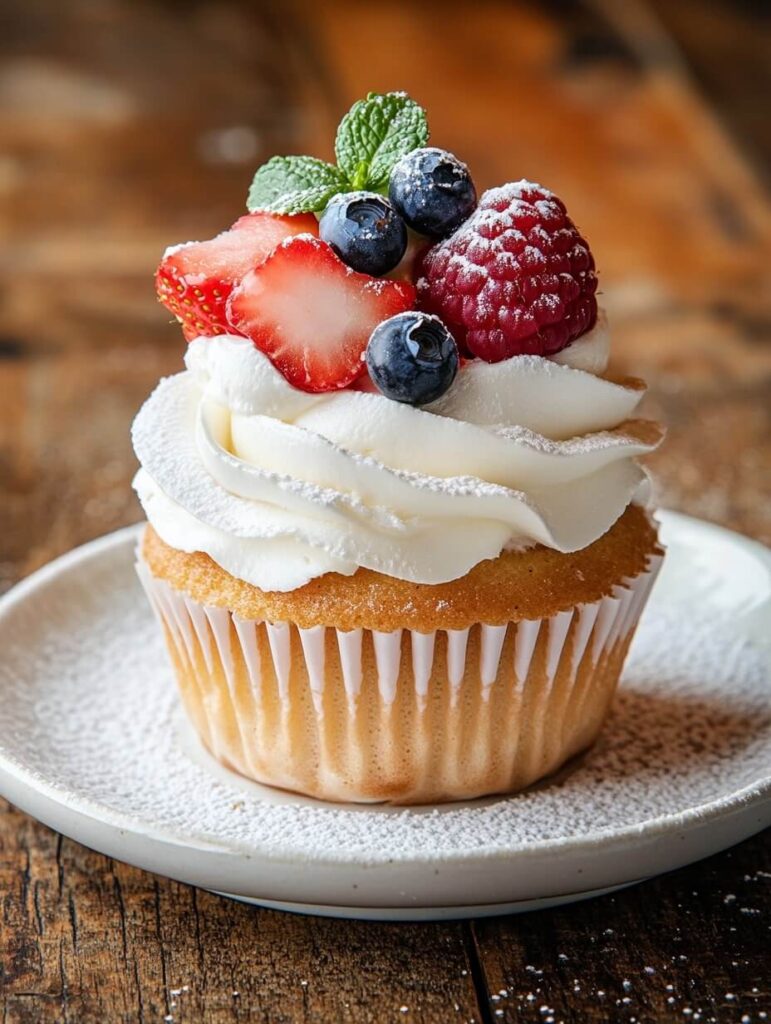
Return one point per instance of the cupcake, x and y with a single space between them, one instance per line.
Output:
397 534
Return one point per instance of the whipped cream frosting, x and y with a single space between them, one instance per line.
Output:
279 486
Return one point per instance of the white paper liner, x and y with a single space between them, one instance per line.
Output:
570 646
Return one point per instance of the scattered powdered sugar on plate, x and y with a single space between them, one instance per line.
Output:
89 711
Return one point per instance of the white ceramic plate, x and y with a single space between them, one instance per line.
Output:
92 742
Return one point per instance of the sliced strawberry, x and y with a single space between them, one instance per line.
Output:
312 315
195 280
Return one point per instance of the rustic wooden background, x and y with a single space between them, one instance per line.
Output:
125 126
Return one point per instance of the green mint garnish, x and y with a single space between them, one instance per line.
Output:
375 134
372 137
294 184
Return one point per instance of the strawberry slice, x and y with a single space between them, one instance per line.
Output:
195 280
312 315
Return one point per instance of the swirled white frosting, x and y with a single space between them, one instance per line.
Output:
279 486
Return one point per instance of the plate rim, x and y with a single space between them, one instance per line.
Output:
608 840
433 912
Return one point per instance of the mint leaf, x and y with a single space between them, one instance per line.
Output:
372 137
375 134
294 184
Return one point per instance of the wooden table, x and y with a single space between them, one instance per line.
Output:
128 125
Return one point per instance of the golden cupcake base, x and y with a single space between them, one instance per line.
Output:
404 715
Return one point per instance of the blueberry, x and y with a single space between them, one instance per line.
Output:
365 231
412 358
433 191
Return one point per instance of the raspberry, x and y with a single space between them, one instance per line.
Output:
515 279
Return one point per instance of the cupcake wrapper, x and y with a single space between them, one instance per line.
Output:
401 716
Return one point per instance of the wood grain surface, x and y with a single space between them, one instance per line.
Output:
125 126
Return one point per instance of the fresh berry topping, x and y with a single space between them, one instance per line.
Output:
195 280
516 279
412 358
311 314
365 231
433 191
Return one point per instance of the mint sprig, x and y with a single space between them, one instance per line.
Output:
372 137
375 134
